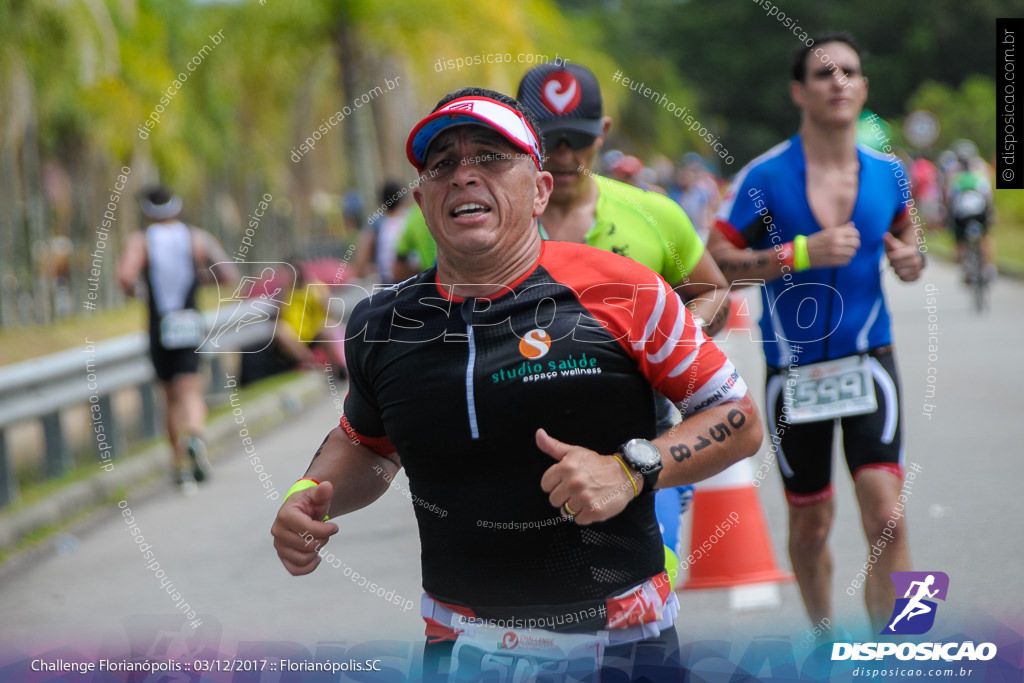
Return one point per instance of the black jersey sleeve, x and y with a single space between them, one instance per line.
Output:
362 419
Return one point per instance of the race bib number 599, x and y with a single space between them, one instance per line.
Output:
831 389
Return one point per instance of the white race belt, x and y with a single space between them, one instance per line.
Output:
182 329
830 389
517 655
523 654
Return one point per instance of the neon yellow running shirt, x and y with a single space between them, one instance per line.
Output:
645 226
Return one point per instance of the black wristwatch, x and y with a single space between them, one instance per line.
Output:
644 457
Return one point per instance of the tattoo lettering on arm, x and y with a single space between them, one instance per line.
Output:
317 455
745 264
719 432
714 326
680 452
321 449
736 418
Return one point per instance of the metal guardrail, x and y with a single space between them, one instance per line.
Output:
44 388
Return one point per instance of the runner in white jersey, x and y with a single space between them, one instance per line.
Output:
171 258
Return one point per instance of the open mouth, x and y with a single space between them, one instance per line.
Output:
469 209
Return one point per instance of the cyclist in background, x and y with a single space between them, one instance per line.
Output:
970 199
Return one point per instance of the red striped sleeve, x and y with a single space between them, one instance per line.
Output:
639 310
381 445
671 350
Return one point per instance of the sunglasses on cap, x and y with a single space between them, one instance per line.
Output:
576 140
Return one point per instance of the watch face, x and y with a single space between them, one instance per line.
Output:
642 453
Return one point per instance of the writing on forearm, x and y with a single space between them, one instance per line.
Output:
718 433
321 449
317 454
734 420
713 326
746 263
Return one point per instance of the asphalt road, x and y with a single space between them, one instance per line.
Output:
965 515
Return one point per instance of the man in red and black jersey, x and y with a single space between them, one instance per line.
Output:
515 382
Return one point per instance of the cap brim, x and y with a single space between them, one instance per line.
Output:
161 212
431 129
589 126
472 111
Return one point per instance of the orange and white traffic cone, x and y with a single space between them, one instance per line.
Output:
729 542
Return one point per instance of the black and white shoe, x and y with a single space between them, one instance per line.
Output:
201 469
184 480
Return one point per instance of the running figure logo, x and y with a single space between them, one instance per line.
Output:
914 613
254 300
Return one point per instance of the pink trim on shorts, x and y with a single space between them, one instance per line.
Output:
890 467
799 500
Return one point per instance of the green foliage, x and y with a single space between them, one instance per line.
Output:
80 78
965 112
736 53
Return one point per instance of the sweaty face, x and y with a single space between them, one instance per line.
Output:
834 88
479 193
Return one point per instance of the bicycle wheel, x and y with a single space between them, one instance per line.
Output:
979 291
974 269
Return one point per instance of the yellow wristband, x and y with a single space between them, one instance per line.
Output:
302 485
801 259
636 491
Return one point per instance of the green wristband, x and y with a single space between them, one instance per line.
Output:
801 259
301 485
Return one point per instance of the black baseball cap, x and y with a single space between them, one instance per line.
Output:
563 97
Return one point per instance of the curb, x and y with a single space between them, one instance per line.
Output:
142 473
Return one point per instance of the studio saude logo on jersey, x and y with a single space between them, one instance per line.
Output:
535 344
914 614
